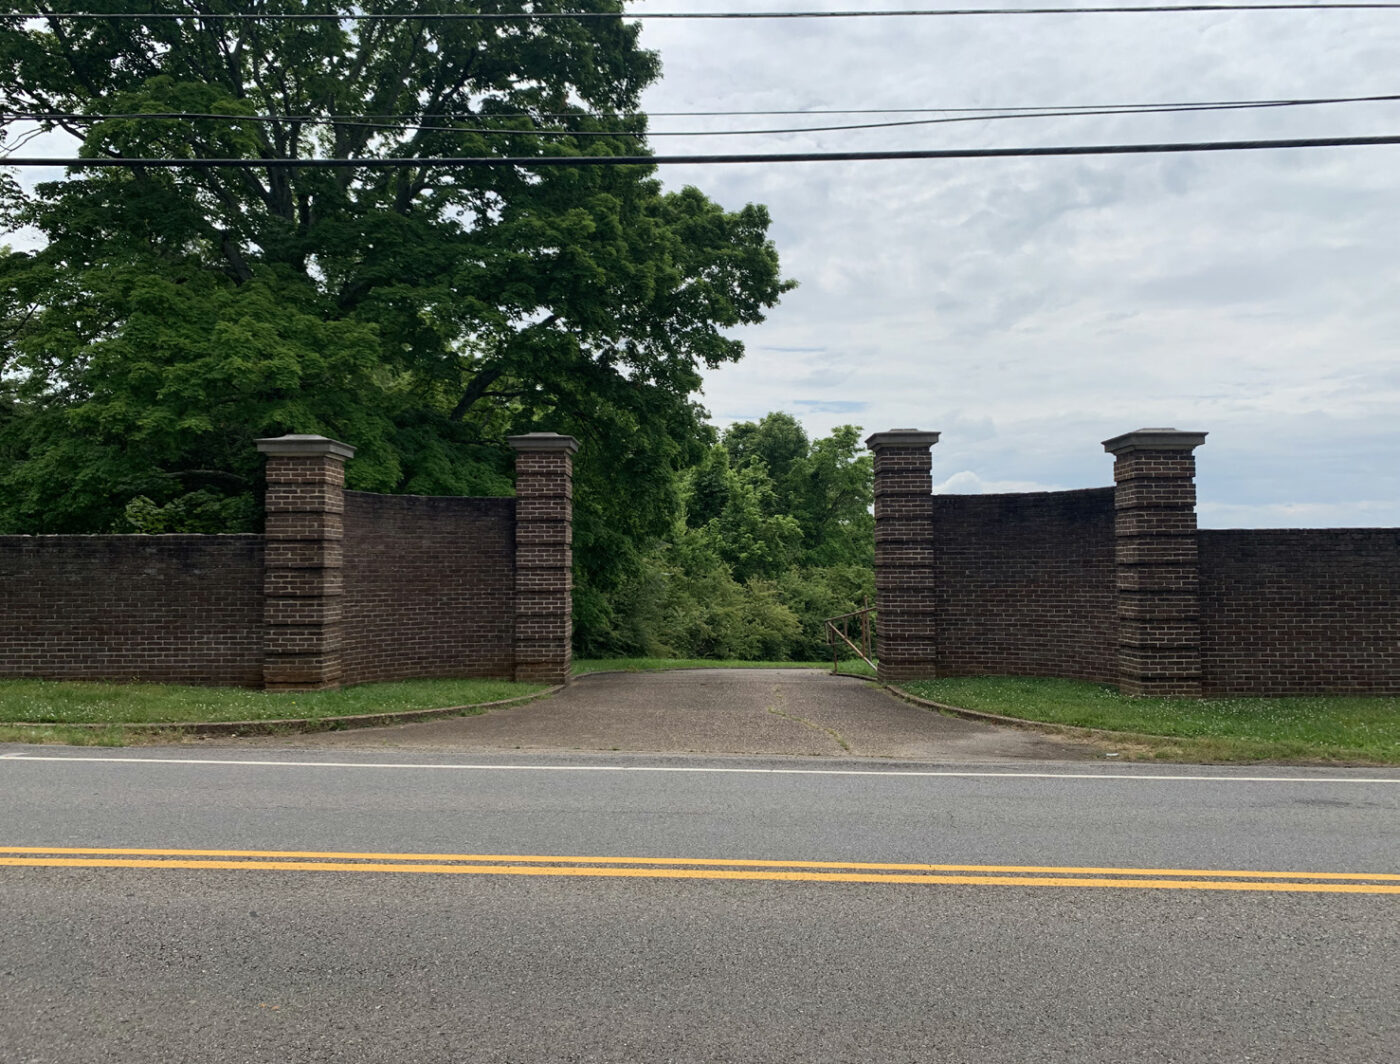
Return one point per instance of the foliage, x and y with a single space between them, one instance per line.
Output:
756 562
422 314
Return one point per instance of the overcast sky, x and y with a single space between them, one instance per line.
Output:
1030 308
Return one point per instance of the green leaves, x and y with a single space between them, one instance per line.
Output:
757 561
174 315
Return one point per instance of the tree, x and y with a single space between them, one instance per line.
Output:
825 485
754 566
421 313
775 443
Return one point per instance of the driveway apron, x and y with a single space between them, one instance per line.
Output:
798 712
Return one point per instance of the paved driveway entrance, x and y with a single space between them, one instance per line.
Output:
719 711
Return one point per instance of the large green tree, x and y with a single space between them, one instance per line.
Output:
170 316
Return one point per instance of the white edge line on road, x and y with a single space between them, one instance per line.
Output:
701 769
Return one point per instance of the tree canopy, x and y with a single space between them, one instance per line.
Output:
775 534
169 317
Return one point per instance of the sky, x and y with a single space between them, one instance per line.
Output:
1028 309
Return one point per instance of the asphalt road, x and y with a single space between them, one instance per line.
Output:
591 954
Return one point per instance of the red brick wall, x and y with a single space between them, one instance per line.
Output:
1025 584
168 609
429 587
1299 611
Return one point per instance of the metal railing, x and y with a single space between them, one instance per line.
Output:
835 636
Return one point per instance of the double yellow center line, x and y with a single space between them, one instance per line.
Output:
477 864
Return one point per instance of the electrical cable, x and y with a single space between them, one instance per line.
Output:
527 161
795 111
555 16
1114 109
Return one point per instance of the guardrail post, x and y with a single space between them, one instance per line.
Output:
904 575
1157 569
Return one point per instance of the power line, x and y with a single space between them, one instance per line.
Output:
1072 107
746 113
555 16
981 115
528 161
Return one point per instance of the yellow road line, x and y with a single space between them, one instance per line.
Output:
855 866
701 873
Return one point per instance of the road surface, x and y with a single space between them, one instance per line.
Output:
345 905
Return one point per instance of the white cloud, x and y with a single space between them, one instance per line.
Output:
969 483
1029 308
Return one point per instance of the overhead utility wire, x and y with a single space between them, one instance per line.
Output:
527 161
1113 109
1071 107
555 16
795 111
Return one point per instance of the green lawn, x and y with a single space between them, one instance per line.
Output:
1310 729
49 702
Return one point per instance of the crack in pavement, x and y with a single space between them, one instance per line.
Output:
780 698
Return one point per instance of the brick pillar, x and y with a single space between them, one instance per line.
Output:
1158 575
302 576
544 557
904 577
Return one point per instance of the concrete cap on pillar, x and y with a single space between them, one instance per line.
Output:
1154 440
305 446
543 441
901 438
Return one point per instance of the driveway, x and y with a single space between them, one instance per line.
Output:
800 712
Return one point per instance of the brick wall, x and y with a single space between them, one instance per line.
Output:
164 609
1300 611
342 587
1024 584
429 587
1118 584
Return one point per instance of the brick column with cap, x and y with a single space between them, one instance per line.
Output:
1158 573
906 624
302 577
544 559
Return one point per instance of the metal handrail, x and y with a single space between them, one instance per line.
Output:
865 651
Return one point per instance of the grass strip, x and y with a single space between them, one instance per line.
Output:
1319 729
52 702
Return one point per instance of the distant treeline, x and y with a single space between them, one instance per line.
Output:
773 533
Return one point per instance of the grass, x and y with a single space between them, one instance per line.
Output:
1312 729
54 704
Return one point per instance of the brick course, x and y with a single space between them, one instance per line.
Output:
162 609
1300 611
544 559
905 577
1024 584
344 587
1118 585
429 587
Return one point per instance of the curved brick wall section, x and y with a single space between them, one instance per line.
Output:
1299 611
429 587
162 609
1025 584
